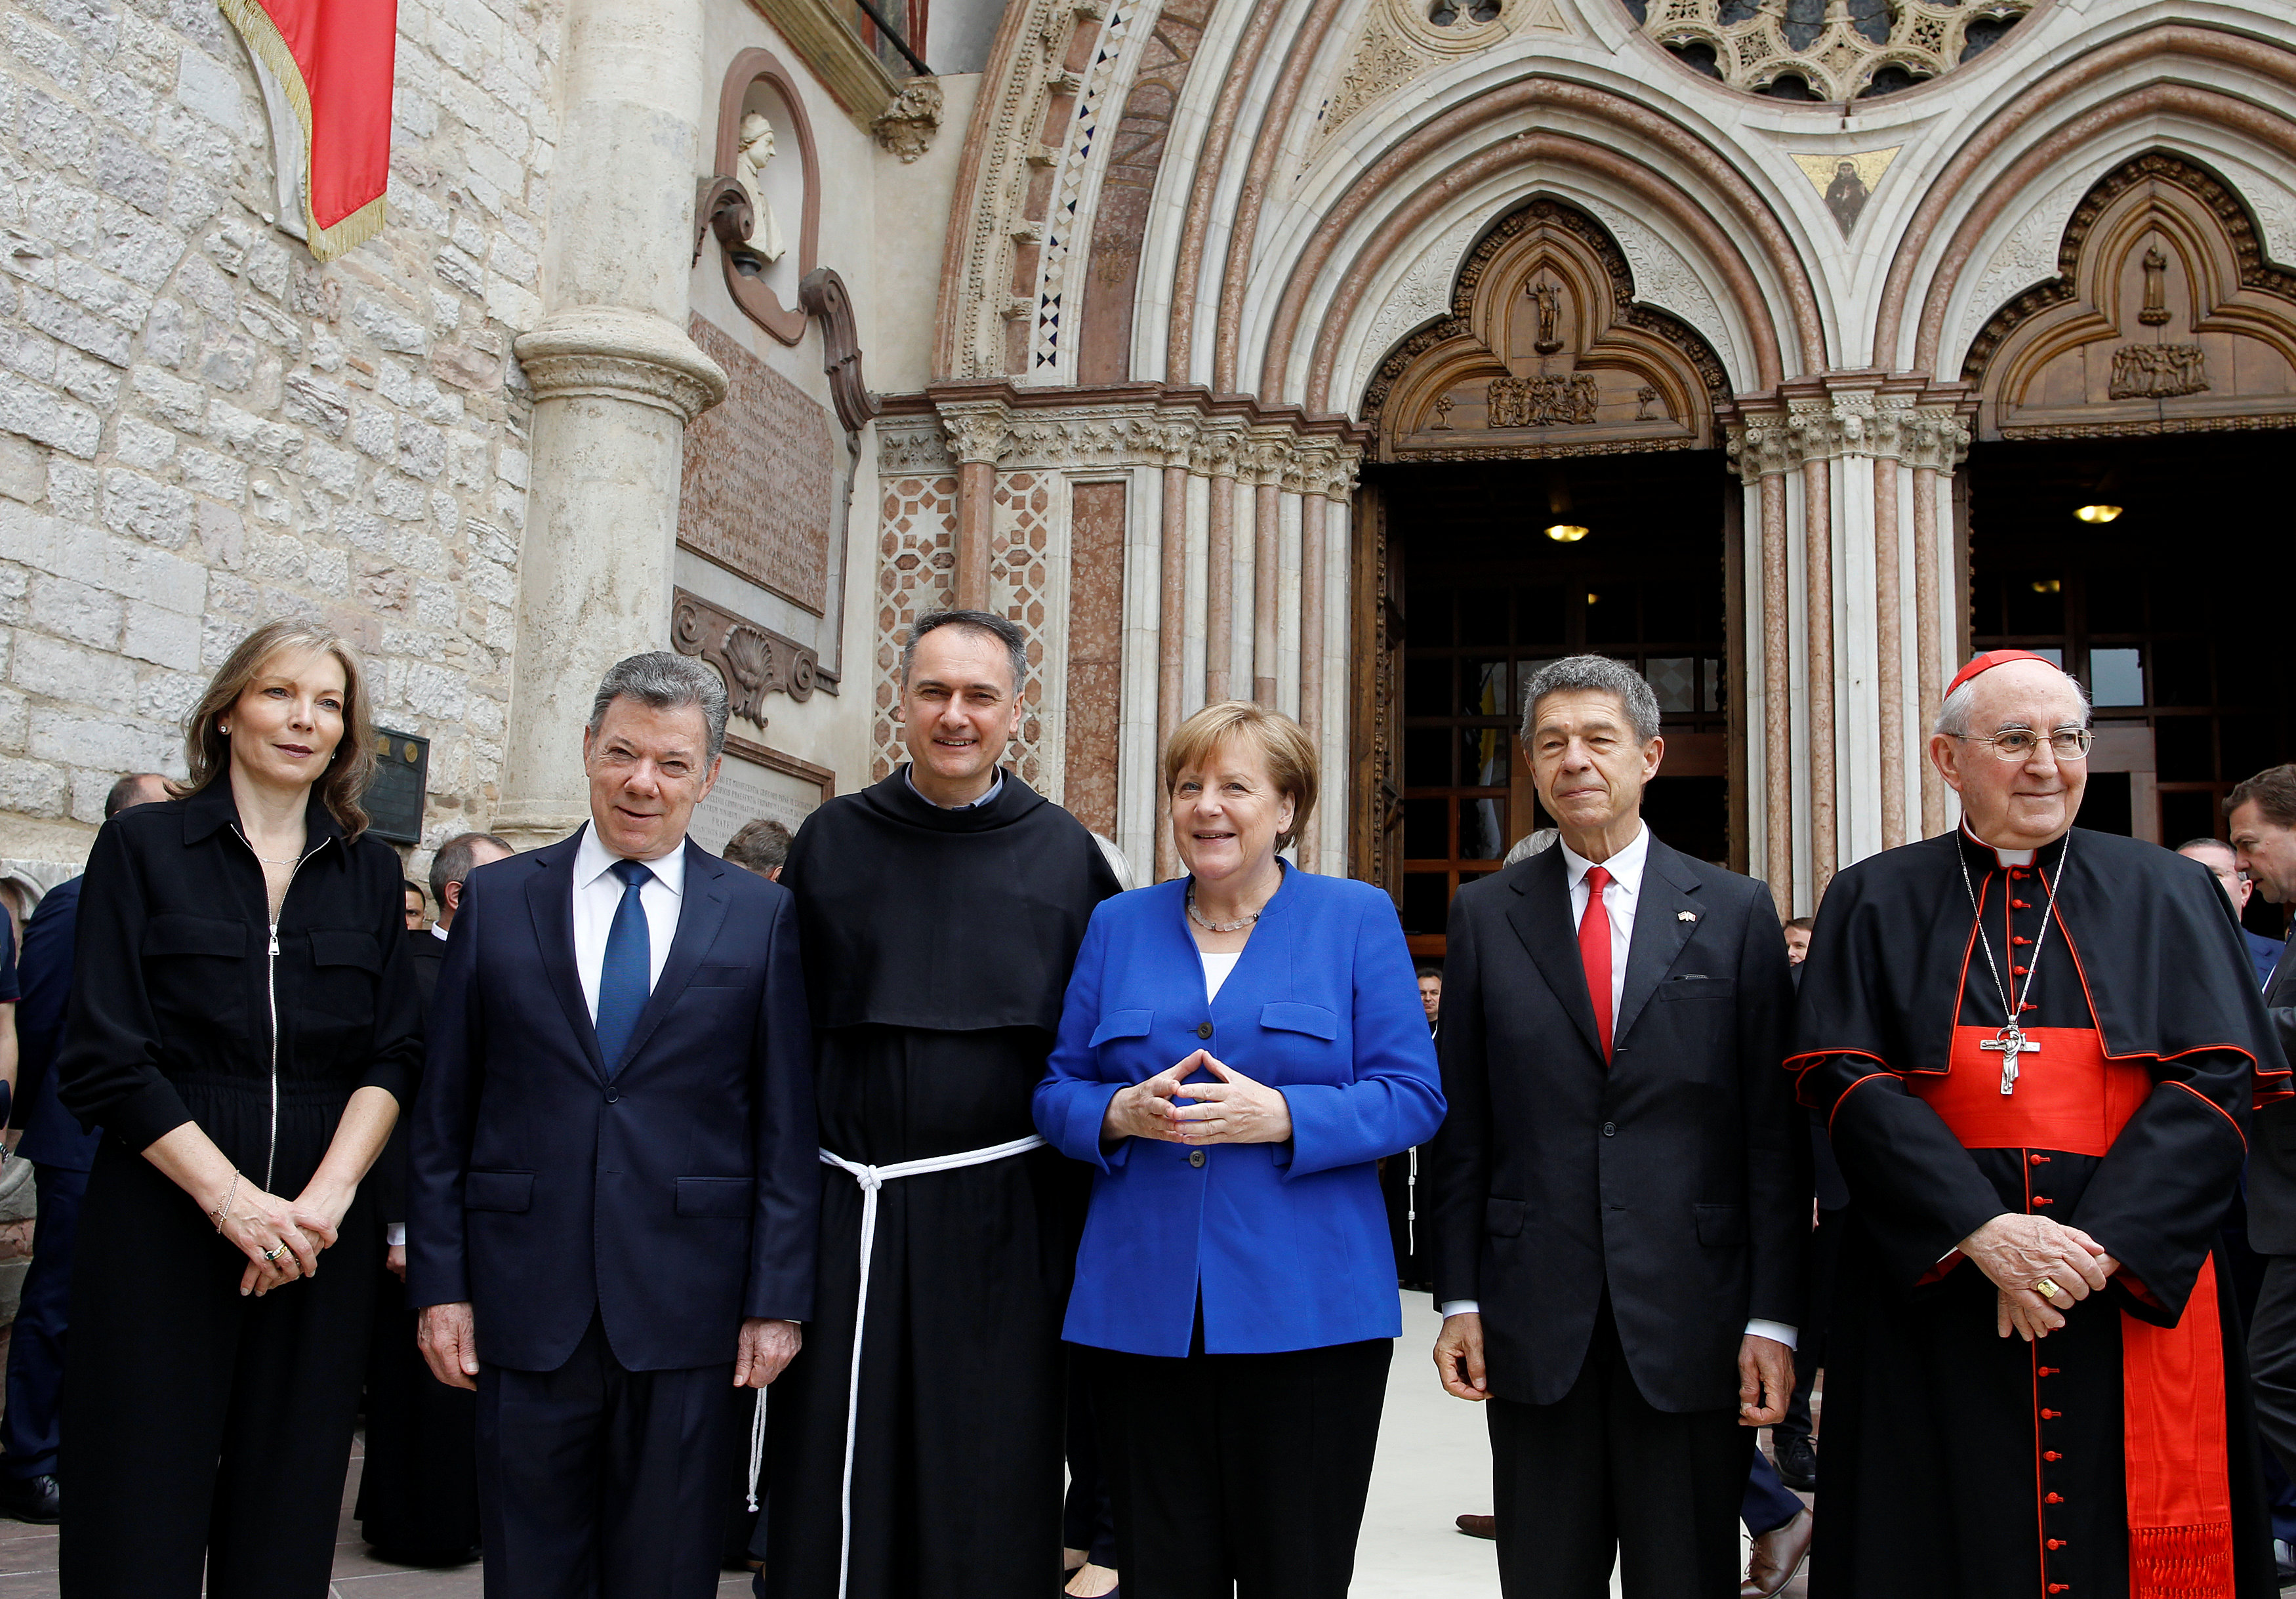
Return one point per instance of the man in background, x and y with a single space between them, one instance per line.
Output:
1430 993
60 1151
761 846
1797 933
2261 814
2222 860
418 1501
414 904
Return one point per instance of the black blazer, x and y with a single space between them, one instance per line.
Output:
177 974
1677 1178
672 1202
2272 1156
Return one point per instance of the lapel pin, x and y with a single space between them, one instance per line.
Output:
1686 915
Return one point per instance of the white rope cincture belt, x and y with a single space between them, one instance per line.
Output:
871 1178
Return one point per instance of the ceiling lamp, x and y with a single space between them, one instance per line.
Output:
1566 532
2097 514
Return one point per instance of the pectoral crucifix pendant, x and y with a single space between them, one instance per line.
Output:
2009 1044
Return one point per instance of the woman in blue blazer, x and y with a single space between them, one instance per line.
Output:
1238 1050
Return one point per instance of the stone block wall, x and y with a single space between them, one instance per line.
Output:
201 428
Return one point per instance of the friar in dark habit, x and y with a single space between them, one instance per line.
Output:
940 912
2037 1048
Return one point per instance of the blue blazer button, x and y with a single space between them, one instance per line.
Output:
1195 1156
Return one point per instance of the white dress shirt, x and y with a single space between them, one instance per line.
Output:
1216 970
598 894
439 932
1621 895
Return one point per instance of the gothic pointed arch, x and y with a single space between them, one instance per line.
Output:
1545 352
2166 316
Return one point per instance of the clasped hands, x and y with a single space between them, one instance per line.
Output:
260 1222
2018 1252
1233 1110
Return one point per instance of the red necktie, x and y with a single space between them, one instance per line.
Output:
1594 952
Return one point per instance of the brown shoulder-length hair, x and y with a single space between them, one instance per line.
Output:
1284 744
207 752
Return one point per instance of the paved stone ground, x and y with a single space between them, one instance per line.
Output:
1433 1464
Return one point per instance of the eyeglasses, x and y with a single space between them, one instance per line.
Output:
2018 743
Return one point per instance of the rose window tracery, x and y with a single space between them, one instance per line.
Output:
1826 50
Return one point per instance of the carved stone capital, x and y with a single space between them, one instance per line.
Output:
912 447
978 431
1220 446
908 126
611 352
754 660
1767 440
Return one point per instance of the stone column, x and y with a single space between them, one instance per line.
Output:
616 382
1269 459
1177 442
1222 446
977 436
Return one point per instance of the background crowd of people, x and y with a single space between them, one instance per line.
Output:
1059 1217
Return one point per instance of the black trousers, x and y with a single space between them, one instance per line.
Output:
419 1488
31 1428
1087 1515
1601 1473
1242 1474
2272 1358
595 1480
202 1428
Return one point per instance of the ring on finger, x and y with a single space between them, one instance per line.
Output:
2047 1289
274 1254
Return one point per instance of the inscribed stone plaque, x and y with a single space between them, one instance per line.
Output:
760 488
745 792
395 796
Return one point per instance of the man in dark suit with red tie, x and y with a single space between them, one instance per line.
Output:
615 1178
1621 1193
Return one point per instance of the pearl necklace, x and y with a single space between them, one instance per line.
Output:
1198 917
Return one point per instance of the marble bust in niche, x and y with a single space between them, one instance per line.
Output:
756 148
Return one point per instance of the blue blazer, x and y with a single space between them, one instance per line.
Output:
1287 1244
673 1201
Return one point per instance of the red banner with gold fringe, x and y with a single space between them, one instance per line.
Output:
334 58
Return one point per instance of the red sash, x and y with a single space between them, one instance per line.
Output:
2070 1098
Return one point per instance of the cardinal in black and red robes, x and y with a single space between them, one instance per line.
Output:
2036 1048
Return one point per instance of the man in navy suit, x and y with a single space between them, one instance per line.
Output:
60 1151
2218 857
615 1170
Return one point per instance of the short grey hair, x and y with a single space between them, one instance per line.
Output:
1598 674
1004 631
1952 717
662 680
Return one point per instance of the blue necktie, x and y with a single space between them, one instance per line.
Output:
625 976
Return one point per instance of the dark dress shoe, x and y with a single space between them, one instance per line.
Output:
1796 1462
1480 1525
1778 1554
39 1500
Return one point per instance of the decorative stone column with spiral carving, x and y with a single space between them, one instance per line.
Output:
616 382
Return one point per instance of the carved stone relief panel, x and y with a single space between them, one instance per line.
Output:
760 490
2165 316
1545 352
753 658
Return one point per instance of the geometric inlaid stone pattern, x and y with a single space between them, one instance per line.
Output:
1019 574
758 490
916 572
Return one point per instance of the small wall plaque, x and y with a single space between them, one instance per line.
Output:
394 800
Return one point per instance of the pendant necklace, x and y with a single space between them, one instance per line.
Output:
2011 1041
1198 917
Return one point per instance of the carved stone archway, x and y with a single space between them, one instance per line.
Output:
1546 353
2165 316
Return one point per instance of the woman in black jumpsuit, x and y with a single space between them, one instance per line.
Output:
243 1027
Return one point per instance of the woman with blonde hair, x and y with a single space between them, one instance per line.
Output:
243 1027
1238 1049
